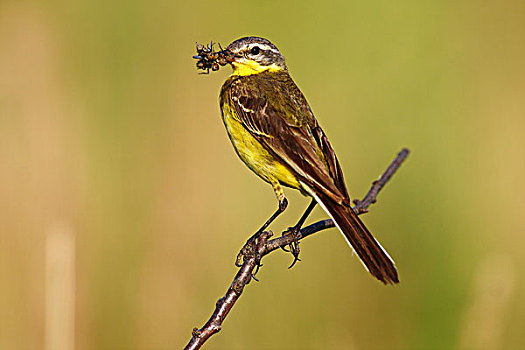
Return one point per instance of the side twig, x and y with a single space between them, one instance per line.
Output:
265 245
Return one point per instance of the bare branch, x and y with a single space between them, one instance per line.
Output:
265 246
361 206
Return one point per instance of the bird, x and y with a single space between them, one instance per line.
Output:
275 133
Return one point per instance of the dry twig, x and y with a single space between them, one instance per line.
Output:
265 246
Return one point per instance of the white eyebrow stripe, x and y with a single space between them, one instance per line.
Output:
263 47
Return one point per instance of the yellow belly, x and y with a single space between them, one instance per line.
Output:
255 156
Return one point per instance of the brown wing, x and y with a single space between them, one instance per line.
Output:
273 109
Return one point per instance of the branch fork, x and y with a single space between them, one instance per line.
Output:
253 253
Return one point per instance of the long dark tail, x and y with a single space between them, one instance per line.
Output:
372 255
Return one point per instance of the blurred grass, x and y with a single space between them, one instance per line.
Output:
105 128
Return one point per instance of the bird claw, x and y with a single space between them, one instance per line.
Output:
294 246
249 250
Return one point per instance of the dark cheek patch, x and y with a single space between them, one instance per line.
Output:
269 57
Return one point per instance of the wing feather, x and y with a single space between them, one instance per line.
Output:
273 109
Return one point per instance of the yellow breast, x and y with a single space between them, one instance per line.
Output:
254 155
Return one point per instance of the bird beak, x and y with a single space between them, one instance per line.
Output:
234 56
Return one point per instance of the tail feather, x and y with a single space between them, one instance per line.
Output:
372 255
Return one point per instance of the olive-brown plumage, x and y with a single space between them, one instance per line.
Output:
276 134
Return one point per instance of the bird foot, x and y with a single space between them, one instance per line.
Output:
249 250
294 246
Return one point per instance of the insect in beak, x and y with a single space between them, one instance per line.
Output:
209 59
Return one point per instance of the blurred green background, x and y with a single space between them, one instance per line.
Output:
123 205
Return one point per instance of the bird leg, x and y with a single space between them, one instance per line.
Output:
250 247
294 246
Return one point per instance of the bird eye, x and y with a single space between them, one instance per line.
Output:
255 50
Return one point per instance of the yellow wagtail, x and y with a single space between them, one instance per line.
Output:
275 133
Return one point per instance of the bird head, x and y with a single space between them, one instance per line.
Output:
252 55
